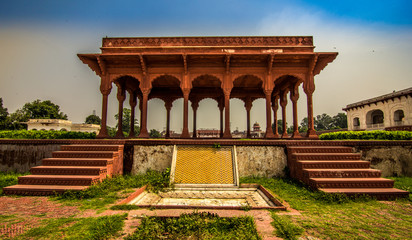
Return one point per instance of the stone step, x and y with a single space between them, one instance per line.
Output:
332 164
315 149
325 156
379 193
67 180
84 154
341 173
39 190
69 170
84 147
77 162
350 183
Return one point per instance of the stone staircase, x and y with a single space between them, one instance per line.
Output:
74 167
336 169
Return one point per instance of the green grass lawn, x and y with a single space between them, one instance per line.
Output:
323 216
328 216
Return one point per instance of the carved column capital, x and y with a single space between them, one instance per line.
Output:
284 98
248 103
168 105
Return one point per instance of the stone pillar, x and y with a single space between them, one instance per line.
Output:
221 108
248 107
185 131
294 96
121 96
105 89
133 103
309 88
143 120
195 106
168 106
283 103
275 107
269 130
227 133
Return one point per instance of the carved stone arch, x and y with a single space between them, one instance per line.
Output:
239 98
260 76
199 99
157 97
236 77
396 107
196 76
114 77
300 76
159 75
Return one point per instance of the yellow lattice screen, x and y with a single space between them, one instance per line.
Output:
204 165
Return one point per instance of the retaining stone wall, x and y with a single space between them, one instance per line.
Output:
265 161
20 158
391 160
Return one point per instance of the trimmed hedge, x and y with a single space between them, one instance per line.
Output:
42 134
367 135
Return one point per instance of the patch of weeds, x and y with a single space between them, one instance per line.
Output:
196 226
9 179
124 207
403 183
105 227
246 208
285 228
216 145
40 215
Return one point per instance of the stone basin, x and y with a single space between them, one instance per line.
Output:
247 196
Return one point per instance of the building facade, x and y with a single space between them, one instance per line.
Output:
391 111
219 68
61 125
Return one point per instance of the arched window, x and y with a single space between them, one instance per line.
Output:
398 117
356 123
377 117
374 119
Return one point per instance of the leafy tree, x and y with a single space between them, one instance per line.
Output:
3 116
323 122
43 110
16 119
280 126
93 119
340 121
126 121
304 125
154 133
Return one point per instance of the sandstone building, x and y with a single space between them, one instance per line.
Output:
391 111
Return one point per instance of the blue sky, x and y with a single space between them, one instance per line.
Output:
373 38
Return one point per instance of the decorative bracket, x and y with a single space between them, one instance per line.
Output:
185 62
312 63
270 63
102 64
143 64
227 61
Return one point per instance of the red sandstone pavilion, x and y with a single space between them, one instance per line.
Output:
220 68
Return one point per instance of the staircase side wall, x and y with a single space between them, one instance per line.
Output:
20 158
391 160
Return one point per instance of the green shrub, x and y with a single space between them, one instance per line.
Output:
196 226
42 134
367 135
